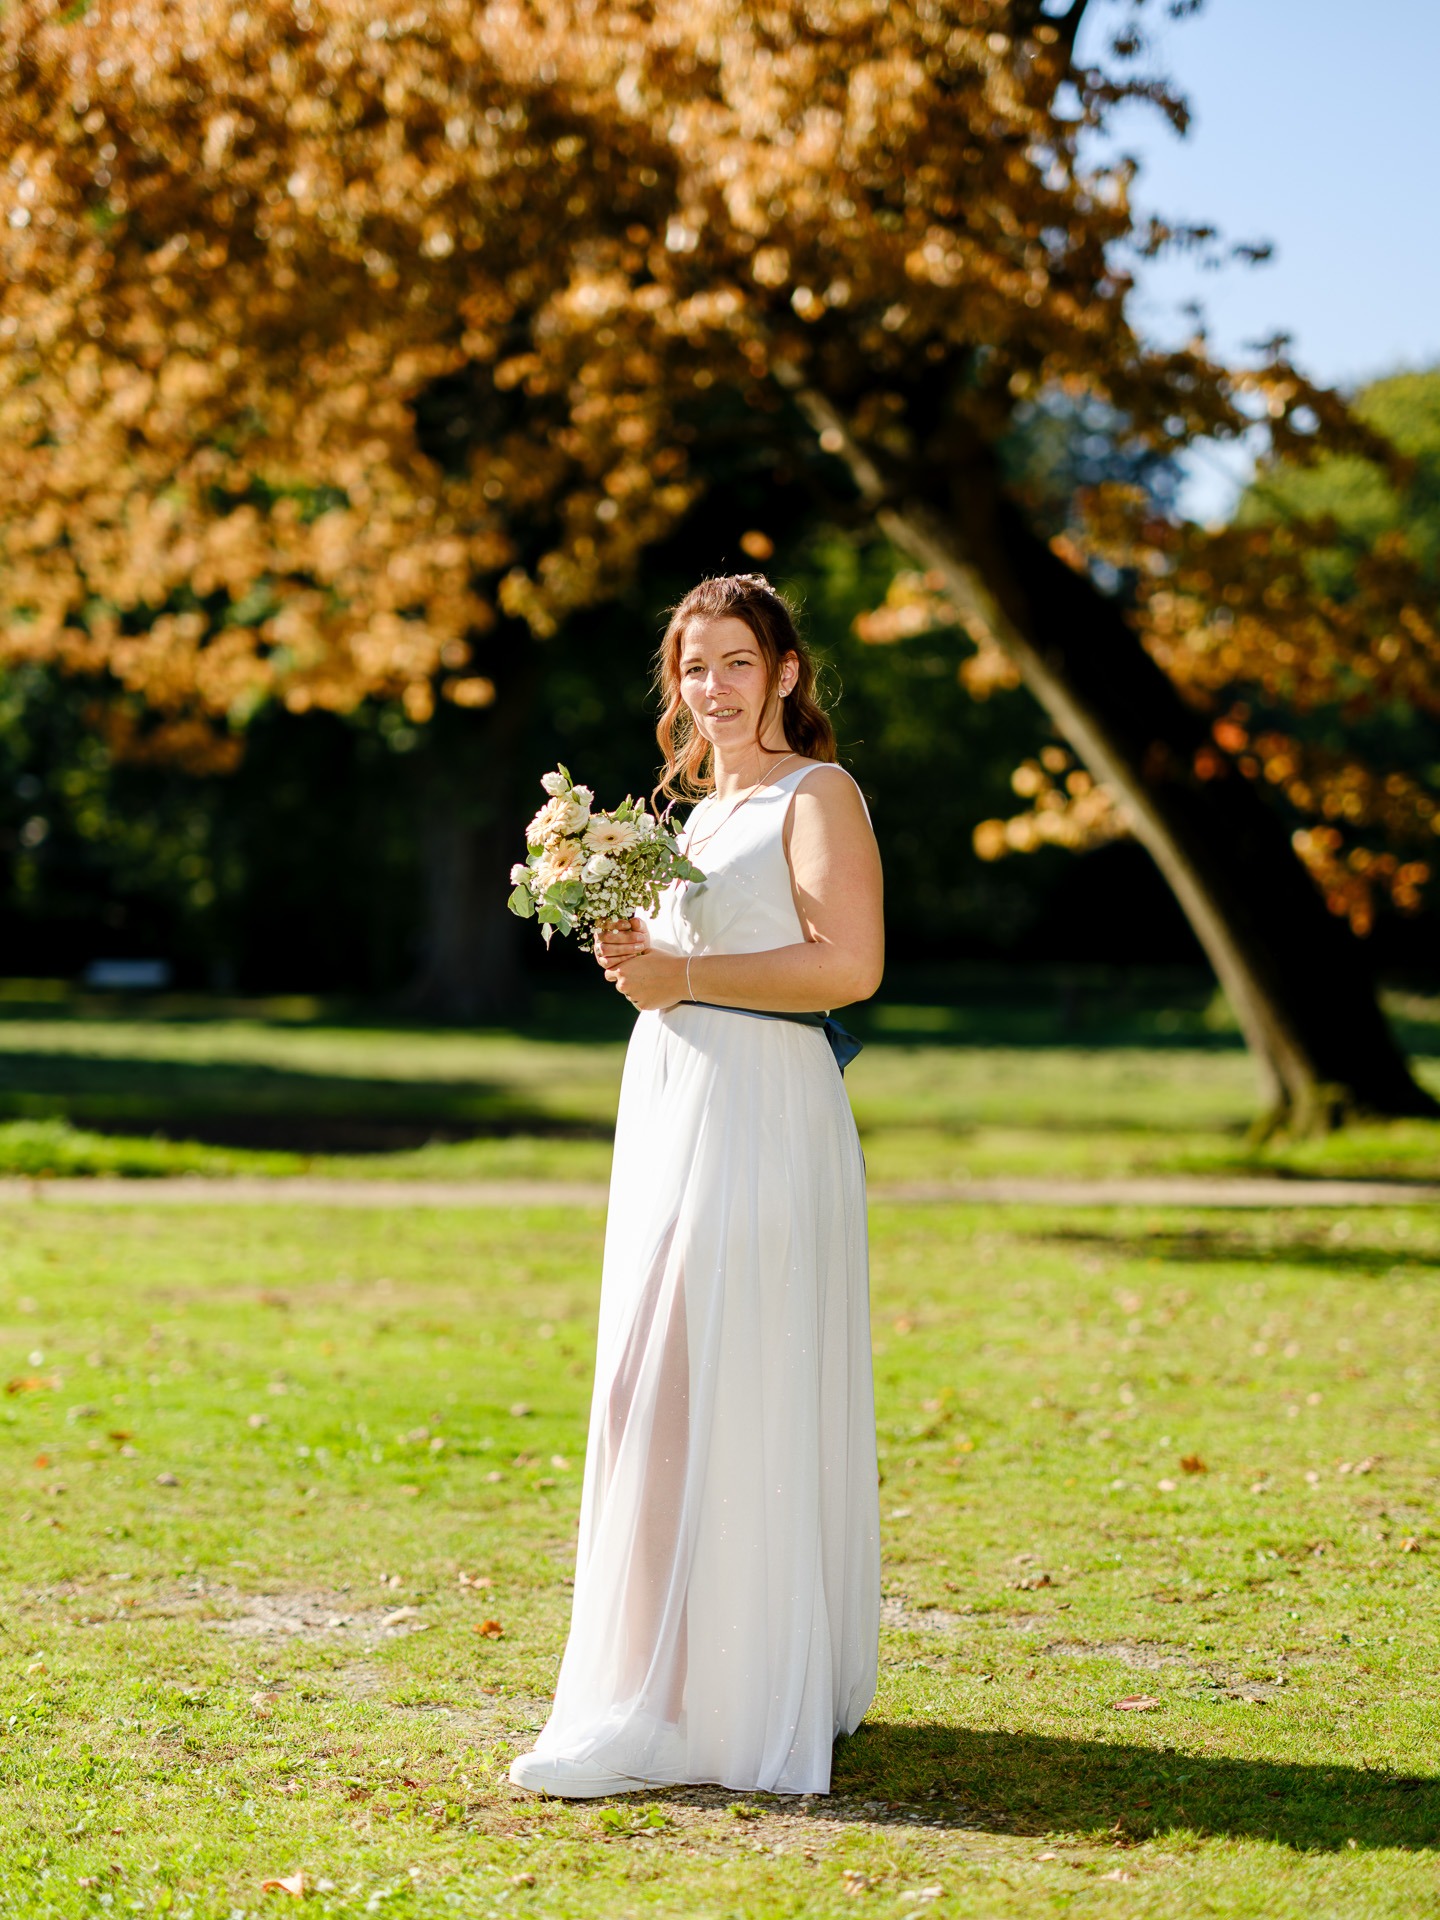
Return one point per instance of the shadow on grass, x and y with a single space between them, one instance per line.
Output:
253 1104
1038 1784
1234 1247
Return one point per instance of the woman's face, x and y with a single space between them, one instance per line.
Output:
722 681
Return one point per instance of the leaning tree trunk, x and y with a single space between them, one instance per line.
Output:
470 820
1293 973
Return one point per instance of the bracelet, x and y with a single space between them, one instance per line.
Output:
689 990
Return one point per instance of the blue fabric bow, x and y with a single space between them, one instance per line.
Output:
840 1041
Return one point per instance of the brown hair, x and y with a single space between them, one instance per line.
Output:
738 596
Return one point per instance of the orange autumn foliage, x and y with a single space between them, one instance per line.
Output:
343 340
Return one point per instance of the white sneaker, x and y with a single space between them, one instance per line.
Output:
571 1779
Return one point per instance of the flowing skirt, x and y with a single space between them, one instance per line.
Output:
727 1582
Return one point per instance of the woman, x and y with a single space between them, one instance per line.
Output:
727 1585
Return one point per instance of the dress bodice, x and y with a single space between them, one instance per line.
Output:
745 903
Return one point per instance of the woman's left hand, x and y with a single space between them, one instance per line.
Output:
650 981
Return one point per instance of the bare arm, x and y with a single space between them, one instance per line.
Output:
835 877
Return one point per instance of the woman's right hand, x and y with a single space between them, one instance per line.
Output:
617 940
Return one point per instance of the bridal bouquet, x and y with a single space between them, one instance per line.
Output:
586 865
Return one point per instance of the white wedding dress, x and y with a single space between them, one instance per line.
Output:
727 1582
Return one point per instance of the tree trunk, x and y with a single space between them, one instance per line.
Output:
471 822
1293 973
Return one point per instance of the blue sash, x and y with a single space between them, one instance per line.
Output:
841 1043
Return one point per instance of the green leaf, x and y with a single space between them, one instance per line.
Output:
522 901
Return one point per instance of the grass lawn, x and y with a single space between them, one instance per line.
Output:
1013 1081
270 1473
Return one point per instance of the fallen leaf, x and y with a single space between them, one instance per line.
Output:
256 1420
489 1630
41 1460
476 1580
410 1492
1166 1486
1137 1703
294 1885
519 1411
1033 1582
166 1480
32 1383
1192 1463
853 1882
400 1613
522 1879
119 1435
264 1703
1409 1544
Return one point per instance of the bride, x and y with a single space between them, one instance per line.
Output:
727 1584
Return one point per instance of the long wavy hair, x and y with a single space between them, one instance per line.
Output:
689 771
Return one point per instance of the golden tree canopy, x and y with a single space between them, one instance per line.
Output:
332 330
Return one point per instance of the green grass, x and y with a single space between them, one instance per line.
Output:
1029 1084
223 1479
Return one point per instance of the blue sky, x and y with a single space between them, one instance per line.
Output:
1317 127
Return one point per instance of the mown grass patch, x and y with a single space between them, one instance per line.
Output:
292 1499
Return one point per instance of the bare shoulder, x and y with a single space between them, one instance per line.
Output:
827 805
836 795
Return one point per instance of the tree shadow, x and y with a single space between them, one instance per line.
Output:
1040 1784
1234 1246
255 1104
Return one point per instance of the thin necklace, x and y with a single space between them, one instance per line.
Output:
692 845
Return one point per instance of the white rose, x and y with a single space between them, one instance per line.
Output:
519 873
571 814
599 866
585 795
554 784
610 836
